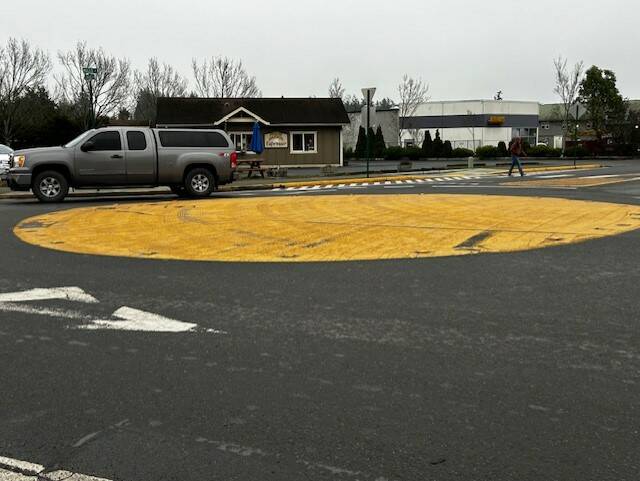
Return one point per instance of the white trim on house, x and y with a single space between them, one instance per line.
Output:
303 133
341 149
243 133
237 111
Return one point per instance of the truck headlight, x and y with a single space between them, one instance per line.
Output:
19 160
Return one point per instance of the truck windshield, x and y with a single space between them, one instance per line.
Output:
77 140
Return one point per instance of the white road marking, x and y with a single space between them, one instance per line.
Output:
602 176
56 313
16 470
558 176
18 466
141 321
73 294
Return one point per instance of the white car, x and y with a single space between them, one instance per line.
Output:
5 153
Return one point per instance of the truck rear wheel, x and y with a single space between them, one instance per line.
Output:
50 186
200 182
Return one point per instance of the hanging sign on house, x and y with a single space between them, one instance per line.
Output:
276 140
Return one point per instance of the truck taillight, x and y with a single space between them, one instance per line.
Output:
234 159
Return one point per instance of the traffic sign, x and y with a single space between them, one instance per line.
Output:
368 93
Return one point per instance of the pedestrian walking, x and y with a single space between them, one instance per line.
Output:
517 151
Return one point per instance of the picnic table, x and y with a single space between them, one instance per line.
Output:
250 166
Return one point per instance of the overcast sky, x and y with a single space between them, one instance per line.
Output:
464 49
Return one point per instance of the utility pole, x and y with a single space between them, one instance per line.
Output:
368 94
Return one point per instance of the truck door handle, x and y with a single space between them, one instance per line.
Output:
117 156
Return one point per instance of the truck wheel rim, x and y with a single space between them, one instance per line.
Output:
200 183
50 187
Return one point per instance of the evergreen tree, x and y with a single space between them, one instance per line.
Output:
447 149
427 145
379 145
361 145
438 146
372 142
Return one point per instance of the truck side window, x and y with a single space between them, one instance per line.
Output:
106 141
176 138
136 140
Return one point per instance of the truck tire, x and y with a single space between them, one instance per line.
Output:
200 182
50 186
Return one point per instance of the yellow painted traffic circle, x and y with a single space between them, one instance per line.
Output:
327 228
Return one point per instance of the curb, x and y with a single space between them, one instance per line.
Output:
285 185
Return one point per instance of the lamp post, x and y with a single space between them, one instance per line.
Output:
90 75
368 94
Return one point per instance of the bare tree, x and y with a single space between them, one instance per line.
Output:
223 77
93 96
22 68
411 92
336 90
567 88
157 81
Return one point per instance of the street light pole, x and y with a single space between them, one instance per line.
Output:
90 74
576 136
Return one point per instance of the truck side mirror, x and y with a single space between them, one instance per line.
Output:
88 146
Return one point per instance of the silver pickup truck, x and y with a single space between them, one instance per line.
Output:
191 162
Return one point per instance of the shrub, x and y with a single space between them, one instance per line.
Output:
543 151
626 150
461 153
398 153
488 152
502 147
394 153
577 151
413 153
349 153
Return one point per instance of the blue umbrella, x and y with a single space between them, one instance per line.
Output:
257 144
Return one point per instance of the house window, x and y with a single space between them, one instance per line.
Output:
304 142
242 140
528 135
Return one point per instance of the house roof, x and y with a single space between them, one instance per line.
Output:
553 112
275 111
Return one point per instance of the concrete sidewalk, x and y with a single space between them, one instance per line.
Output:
283 183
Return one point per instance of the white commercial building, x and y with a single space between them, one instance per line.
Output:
473 123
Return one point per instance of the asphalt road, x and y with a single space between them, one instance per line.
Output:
520 366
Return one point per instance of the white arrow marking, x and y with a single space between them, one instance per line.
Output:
73 294
135 320
58 313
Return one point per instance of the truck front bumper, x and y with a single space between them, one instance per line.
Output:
17 180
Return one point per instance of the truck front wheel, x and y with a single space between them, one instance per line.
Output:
200 183
50 186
